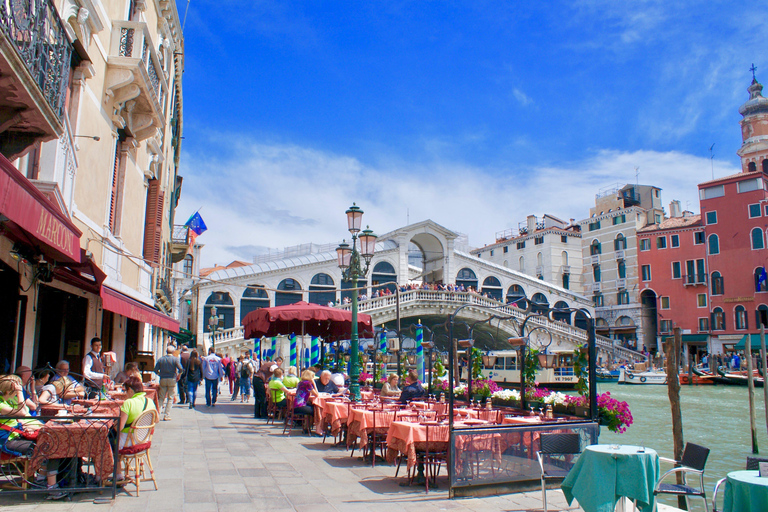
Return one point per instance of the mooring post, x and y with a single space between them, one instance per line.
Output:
764 361
672 352
751 388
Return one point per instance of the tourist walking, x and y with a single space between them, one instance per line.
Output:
182 384
245 375
193 375
213 372
169 369
234 374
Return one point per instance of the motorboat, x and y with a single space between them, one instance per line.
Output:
740 378
627 376
606 375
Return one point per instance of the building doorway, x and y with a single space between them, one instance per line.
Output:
9 311
60 330
649 319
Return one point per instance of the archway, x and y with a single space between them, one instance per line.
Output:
562 316
492 286
625 331
254 297
539 303
425 251
516 294
322 289
289 291
467 278
384 272
650 319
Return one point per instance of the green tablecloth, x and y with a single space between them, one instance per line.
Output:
745 491
603 474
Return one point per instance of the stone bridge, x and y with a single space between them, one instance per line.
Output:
428 303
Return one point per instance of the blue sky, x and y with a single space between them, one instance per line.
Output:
474 114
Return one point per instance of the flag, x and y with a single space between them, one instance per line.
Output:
762 279
191 237
196 224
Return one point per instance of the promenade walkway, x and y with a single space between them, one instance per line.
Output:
221 459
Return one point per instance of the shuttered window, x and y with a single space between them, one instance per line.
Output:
153 223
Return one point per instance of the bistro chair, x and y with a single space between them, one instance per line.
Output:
753 464
693 461
13 467
556 458
378 437
136 455
291 420
434 451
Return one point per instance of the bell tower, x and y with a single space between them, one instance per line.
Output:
754 129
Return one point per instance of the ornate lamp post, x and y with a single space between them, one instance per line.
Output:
352 269
213 323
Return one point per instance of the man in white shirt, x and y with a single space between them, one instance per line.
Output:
94 369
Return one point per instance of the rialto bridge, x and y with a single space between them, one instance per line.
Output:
423 252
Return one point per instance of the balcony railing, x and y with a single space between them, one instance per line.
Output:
180 234
595 259
695 280
596 287
37 33
134 43
621 283
619 254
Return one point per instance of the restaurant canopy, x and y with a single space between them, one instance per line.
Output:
303 318
755 341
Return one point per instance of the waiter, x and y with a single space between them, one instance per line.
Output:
94 369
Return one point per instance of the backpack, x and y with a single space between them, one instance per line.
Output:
244 371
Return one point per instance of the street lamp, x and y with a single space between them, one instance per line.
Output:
351 270
213 323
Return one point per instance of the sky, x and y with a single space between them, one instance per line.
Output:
474 114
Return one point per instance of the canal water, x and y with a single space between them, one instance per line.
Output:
714 416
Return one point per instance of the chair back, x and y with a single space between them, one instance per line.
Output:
560 443
695 456
144 427
753 463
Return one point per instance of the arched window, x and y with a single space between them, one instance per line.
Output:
322 289
740 319
595 248
717 283
752 167
761 280
539 303
466 277
289 291
714 244
384 272
521 264
620 243
254 297
506 263
224 308
765 165
515 293
761 316
718 319
492 287
564 257
562 316
539 259
596 273
758 240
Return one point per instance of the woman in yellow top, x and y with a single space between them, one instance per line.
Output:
277 389
136 403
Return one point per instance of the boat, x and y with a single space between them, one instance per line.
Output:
606 375
740 378
555 371
697 379
627 376
703 371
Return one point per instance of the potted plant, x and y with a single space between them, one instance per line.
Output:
612 413
482 389
506 397
535 397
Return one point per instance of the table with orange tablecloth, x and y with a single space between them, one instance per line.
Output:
101 407
318 403
335 414
84 438
405 437
361 423
530 439
149 390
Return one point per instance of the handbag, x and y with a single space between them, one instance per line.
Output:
30 436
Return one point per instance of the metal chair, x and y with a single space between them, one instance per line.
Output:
134 456
555 458
753 464
693 461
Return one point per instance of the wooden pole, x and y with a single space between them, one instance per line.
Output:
672 352
751 388
764 361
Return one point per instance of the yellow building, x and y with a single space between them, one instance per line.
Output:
90 130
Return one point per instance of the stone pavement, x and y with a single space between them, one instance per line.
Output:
222 459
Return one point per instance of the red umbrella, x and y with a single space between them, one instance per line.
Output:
303 318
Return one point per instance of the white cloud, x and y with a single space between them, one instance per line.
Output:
262 195
521 97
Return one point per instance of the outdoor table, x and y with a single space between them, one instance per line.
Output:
150 390
84 438
51 409
335 415
403 437
745 491
367 395
319 406
605 473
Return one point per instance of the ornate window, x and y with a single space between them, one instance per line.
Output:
322 289
254 297
718 319
740 315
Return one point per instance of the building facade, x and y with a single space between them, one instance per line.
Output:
549 250
610 273
95 151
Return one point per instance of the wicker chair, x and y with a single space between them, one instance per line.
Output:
555 458
134 457
13 466
693 461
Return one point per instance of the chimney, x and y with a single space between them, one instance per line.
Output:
675 209
531 224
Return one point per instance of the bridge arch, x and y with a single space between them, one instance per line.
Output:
322 289
467 277
492 286
288 291
515 293
432 252
254 297
539 303
563 316
383 272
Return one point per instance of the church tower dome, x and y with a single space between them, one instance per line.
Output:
754 129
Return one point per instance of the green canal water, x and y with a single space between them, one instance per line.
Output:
713 416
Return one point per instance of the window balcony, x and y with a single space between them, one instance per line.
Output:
565 269
540 270
35 57
619 254
695 280
595 259
621 283
136 83
179 242
596 287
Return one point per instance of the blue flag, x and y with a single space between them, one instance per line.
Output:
763 278
196 224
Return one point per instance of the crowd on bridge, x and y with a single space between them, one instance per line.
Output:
438 286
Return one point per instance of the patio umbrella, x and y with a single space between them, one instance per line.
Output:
304 318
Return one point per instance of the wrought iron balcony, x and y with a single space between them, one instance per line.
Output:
695 280
35 57
136 81
179 243
596 287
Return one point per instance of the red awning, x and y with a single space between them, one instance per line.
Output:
40 221
116 302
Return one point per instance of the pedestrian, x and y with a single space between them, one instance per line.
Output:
735 362
260 379
213 373
234 373
228 363
182 384
193 375
169 369
245 376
